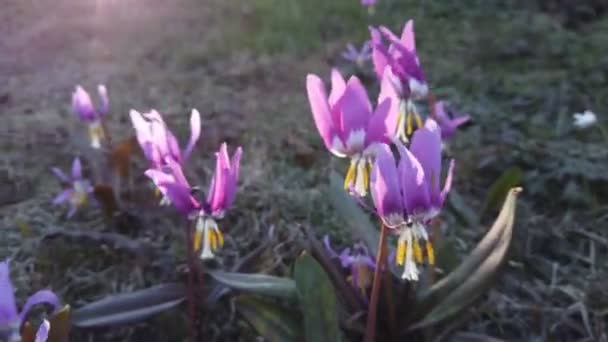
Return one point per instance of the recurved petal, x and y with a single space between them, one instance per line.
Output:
76 169
317 97
234 177
63 196
82 104
447 185
384 183
195 132
142 128
379 52
426 147
217 196
338 85
407 36
40 297
355 107
180 197
43 331
8 307
60 174
382 125
416 196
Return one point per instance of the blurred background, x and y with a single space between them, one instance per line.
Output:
521 69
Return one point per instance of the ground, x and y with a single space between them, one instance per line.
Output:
520 70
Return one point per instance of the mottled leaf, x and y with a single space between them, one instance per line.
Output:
60 325
317 300
356 218
129 307
262 284
509 179
272 321
472 277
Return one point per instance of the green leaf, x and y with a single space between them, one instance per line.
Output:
274 322
317 301
60 325
262 284
129 307
356 218
474 275
510 178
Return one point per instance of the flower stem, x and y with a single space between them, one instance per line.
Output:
191 286
370 328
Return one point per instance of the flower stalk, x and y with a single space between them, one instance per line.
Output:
370 327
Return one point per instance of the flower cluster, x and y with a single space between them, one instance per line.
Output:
406 191
11 319
359 263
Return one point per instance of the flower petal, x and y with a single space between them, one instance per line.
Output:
379 52
76 169
43 332
40 297
416 197
181 197
355 106
426 147
104 106
63 196
384 183
407 36
8 307
234 177
60 174
195 132
82 105
217 194
382 124
317 97
447 185
338 85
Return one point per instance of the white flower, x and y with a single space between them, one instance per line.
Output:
584 120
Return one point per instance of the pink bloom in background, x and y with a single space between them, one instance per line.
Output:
448 120
358 57
76 188
10 318
348 124
174 185
83 106
407 194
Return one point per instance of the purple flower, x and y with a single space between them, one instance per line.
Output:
77 189
10 319
359 57
174 185
158 142
43 331
407 195
370 4
448 120
348 125
358 261
83 107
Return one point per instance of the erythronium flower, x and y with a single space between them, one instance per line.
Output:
348 126
173 184
83 107
448 120
359 262
370 4
359 57
158 143
10 319
77 189
397 63
585 119
407 195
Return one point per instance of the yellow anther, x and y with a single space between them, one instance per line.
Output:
430 252
350 176
220 238
417 252
418 120
198 237
365 175
409 129
213 239
400 255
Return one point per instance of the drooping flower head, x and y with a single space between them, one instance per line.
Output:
10 318
348 125
204 212
407 195
359 262
396 63
358 57
76 188
83 106
448 120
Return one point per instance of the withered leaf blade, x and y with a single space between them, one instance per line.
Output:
474 275
272 321
129 307
356 218
317 300
105 196
256 283
120 156
60 325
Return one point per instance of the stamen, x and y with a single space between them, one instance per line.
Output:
198 237
430 252
418 119
417 252
350 174
409 128
400 255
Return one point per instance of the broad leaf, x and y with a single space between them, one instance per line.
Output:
469 280
262 284
509 179
356 218
272 321
129 307
317 300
